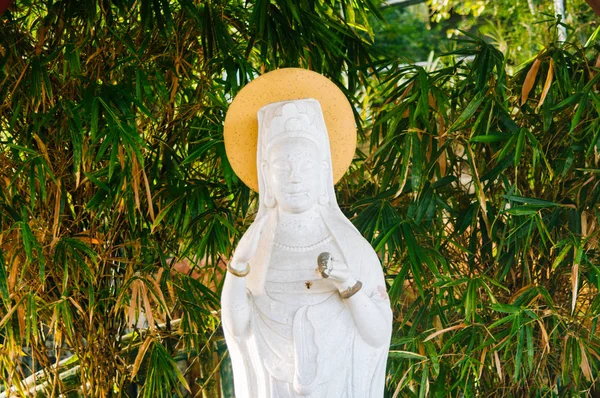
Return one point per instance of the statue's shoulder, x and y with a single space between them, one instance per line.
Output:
357 243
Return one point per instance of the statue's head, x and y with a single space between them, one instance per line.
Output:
294 160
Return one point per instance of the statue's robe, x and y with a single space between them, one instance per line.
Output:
309 346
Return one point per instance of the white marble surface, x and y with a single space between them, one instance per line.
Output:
288 329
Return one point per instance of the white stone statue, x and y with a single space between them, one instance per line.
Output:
304 306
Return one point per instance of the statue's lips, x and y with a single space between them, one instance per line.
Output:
299 193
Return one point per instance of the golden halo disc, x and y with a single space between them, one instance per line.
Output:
241 123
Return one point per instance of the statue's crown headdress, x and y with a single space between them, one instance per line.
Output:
298 119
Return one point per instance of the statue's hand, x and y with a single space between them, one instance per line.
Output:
246 248
335 271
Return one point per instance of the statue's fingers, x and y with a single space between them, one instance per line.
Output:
338 275
340 265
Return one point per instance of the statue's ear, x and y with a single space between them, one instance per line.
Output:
264 165
269 198
324 197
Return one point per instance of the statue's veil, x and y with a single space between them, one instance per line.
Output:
309 109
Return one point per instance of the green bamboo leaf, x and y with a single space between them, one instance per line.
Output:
469 110
28 239
4 282
470 300
424 386
22 149
508 148
519 349
94 119
566 102
163 212
406 355
531 201
505 308
417 162
519 147
523 210
577 116
561 256
491 138
47 84
530 348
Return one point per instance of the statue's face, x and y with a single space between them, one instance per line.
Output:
295 174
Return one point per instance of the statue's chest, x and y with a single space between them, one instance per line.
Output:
292 279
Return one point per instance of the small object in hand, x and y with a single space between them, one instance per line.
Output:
238 273
324 264
351 291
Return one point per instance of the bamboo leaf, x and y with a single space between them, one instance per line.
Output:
519 147
561 256
140 356
586 369
529 80
498 365
4 281
575 277
547 83
448 329
406 355
469 110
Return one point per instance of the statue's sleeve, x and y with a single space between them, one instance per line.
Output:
373 360
372 277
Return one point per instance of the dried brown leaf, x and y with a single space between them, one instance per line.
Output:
21 317
160 297
519 292
89 239
439 332
586 369
56 211
14 269
148 195
548 83
147 307
135 171
482 361
530 80
121 152
140 356
133 304
545 339
442 158
11 312
498 366
574 284
401 383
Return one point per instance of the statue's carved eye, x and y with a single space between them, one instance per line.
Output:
306 166
281 165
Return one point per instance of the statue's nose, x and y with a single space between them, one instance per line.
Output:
295 176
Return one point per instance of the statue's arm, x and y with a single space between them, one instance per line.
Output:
235 301
370 306
235 306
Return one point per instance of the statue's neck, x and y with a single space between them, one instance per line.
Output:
302 229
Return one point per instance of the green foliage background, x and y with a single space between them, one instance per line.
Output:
479 190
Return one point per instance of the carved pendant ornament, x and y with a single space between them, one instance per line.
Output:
304 306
